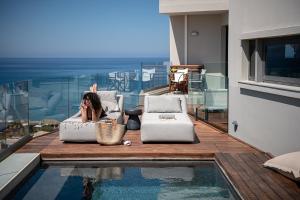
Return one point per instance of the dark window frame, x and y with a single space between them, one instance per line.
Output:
278 79
260 58
252 58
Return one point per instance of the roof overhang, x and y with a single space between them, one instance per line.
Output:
181 7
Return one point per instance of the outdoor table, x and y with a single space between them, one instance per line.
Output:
133 122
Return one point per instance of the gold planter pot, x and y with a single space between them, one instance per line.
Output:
109 132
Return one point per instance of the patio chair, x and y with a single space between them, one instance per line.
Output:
165 119
74 130
178 80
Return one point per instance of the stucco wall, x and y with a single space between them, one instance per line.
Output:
177 39
268 121
206 48
191 6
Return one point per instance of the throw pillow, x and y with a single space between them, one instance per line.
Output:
287 164
164 104
109 106
107 95
109 101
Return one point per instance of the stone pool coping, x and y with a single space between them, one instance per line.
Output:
14 169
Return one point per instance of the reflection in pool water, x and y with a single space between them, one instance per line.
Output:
193 181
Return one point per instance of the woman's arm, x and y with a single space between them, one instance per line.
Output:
96 115
83 111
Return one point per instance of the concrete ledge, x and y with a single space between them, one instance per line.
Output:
14 169
286 31
172 7
282 90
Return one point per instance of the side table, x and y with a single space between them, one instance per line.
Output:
133 122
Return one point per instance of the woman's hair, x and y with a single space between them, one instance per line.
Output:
94 99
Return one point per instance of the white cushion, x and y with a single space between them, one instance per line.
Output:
287 164
109 100
178 77
110 106
154 129
164 104
107 95
73 129
185 70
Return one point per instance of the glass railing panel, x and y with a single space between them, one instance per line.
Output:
154 76
216 100
208 97
130 88
77 85
119 81
4 106
220 68
14 124
48 103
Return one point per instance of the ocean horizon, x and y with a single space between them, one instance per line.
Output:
20 69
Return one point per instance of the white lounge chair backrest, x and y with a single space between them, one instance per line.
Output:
182 99
120 100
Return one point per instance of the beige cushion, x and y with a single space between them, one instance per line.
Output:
164 104
110 106
287 164
107 95
109 100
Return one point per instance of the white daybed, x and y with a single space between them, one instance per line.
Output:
74 130
156 129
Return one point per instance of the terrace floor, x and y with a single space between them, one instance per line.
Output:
241 162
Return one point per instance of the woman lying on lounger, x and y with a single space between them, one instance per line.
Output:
91 108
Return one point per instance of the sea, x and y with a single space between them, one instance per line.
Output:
19 69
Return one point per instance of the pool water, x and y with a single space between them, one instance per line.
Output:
171 180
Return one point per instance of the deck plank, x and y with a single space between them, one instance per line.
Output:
259 173
236 177
253 178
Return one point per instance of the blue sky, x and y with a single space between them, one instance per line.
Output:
83 28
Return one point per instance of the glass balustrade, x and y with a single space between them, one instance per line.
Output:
14 112
208 96
36 106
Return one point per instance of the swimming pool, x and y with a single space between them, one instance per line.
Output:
131 180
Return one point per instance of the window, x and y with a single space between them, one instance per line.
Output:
252 60
275 60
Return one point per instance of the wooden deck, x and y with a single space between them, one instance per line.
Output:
242 163
211 141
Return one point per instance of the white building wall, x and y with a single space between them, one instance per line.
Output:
207 48
191 6
177 47
267 121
